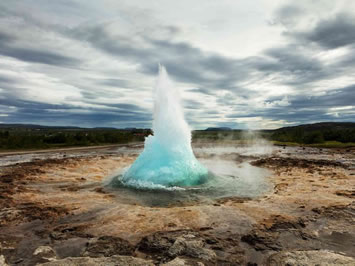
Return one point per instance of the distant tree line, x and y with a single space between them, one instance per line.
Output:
304 136
40 138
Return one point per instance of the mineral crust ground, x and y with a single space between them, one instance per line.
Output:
55 210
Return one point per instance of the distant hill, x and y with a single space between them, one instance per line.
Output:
32 126
218 129
315 133
320 126
109 128
306 127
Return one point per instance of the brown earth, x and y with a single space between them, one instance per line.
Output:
62 204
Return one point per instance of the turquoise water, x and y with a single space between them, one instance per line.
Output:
225 179
157 165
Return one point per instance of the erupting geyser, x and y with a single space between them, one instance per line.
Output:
167 159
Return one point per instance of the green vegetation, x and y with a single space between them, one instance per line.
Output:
20 138
326 144
321 134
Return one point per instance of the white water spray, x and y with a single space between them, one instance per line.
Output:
167 159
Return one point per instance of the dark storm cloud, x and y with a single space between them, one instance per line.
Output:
295 66
291 60
192 104
127 106
48 113
67 118
5 38
113 82
301 116
287 114
305 109
309 116
4 79
30 106
334 32
93 91
16 47
33 106
331 32
341 97
36 56
346 63
113 45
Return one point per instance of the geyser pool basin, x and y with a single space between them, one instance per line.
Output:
227 177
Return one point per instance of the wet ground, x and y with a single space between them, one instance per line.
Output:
61 201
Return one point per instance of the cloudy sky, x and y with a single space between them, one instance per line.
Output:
241 64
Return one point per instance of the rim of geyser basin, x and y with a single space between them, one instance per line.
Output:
215 188
150 186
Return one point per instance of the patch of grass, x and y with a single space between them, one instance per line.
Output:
326 144
285 143
333 144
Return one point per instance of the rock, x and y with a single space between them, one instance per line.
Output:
9 215
103 261
194 246
278 222
73 247
2 261
182 262
45 252
175 262
262 240
191 248
159 242
312 257
178 247
107 246
295 162
346 193
265 235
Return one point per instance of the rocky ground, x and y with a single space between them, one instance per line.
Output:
54 210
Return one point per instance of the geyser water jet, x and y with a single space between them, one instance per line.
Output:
167 159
